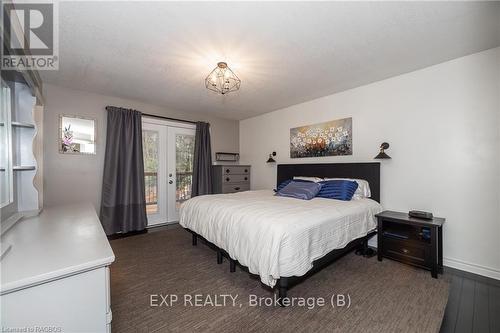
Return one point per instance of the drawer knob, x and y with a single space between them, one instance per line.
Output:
246 170
246 178
406 251
228 179
237 188
227 170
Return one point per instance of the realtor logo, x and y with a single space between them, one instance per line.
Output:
30 35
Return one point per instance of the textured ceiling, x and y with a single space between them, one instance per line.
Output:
284 53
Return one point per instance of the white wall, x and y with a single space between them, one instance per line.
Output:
443 126
76 178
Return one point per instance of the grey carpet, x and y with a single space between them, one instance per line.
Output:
385 296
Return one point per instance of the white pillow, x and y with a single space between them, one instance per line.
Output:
309 179
363 190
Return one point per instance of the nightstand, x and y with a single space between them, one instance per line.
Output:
413 241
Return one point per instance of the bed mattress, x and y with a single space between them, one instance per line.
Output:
277 236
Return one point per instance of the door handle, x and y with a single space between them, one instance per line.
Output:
170 181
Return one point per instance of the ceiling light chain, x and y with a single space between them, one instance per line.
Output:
222 79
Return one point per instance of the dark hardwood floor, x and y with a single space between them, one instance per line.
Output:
473 305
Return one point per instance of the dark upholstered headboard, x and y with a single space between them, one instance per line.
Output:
367 171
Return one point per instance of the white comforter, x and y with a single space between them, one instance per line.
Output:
277 236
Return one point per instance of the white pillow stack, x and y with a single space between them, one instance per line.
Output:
309 179
363 190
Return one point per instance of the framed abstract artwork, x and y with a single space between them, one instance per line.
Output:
331 138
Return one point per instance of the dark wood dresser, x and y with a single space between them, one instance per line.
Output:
410 240
230 178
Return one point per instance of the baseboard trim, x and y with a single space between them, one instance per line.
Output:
474 269
462 266
472 276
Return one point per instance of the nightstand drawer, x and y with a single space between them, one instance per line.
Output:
406 252
236 179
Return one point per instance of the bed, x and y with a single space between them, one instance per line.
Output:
284 239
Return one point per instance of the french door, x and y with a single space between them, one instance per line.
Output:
168 150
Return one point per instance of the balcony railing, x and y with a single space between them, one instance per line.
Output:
183 189
151 191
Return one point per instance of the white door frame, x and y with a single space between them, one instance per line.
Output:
166 165
165 122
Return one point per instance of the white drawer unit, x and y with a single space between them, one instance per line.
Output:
55 278
230 178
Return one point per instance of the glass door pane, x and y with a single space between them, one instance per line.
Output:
150 150
180 168
154 150
184 151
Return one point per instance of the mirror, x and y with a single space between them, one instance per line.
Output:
77 135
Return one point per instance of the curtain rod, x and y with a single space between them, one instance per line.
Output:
167 118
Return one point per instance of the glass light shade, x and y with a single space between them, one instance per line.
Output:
222 80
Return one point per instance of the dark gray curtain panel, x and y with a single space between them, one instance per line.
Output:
202 165
123 202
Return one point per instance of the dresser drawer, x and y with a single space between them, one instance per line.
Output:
230 178
236 170
236 179
226 188
406 252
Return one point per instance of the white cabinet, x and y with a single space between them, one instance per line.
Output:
57 272
21 149
77 303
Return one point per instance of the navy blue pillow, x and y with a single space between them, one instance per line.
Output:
288 181
300 190
282 185
339 189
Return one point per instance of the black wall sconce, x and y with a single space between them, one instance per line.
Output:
382 154
271 159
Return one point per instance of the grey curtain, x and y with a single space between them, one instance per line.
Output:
123 202
202 164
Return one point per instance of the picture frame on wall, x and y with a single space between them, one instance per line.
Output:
77 135
331 138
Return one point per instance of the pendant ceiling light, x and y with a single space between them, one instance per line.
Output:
222 79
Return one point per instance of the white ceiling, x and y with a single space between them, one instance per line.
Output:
284 53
